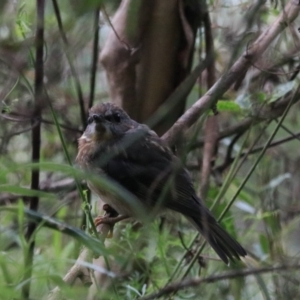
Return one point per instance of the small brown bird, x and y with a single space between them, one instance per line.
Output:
133 156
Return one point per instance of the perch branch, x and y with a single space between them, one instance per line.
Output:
195 282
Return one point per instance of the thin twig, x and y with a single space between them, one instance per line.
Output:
95 57
14 119
45 121
195 282
255 150
228 157
36 123
274 144
241 126
127 46
35 141
211 129
295 136
10 117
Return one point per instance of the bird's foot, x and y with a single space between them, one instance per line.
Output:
111 218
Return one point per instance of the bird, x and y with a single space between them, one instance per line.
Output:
135 158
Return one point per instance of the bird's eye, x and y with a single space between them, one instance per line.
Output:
94 118
115 118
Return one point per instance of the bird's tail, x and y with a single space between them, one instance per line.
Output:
225 246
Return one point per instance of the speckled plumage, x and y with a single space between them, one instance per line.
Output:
132 155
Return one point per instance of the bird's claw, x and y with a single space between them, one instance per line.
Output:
110 219
105 220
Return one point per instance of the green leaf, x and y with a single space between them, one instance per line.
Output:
92 243
14 189
103 182
260 96
228 106
264 243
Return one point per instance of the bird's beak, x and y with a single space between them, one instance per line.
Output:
89 133
96 132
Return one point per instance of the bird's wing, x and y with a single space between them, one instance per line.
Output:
149 170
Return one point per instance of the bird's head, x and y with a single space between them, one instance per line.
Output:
106 122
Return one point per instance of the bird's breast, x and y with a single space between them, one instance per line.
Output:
119 205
